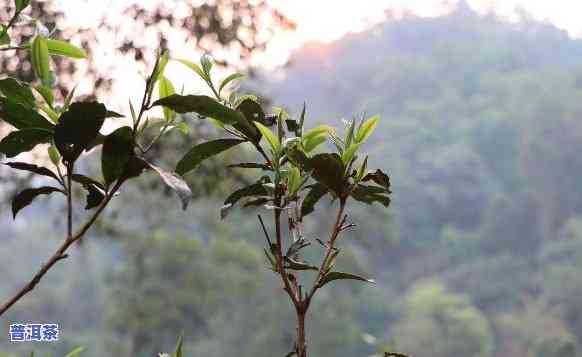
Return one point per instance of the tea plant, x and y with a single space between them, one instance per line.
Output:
298 170
71 129
297 174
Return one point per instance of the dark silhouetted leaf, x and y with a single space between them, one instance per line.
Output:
117 149
176 183
296 155
256 189
26 197
87 181
135 167
250 165
32 168
297 265
203 105
23 141
336 275
257 202
379 178
17 92
78 127
202 152
371 194
112 114
316 192
95 196
252 112
293 126
21 116
328 169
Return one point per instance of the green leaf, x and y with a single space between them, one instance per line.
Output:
336 275
348 155
21 4
294 181
26 197
4 37
62 48
166 89
46 93
202 152
17 92
227 80
317 131
316 192
206 62
193 66
54 155
183 127
301 120
256 189
21 116
78 127
269 136
367 128
178 350
313 142
362 170
176 183
40 58
76 352
23 141
328 169
163 62
117 149
350 133
69 98
295 153
43 171
203 105
371 194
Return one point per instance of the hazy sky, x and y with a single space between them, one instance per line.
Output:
329 19
322 20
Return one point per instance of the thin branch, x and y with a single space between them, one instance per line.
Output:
70 169
336 229
60 254
265 231
13 48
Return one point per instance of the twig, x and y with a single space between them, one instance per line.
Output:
265 231
60 254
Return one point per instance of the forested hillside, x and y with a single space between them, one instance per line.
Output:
480 255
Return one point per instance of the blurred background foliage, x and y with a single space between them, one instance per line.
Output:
480 255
